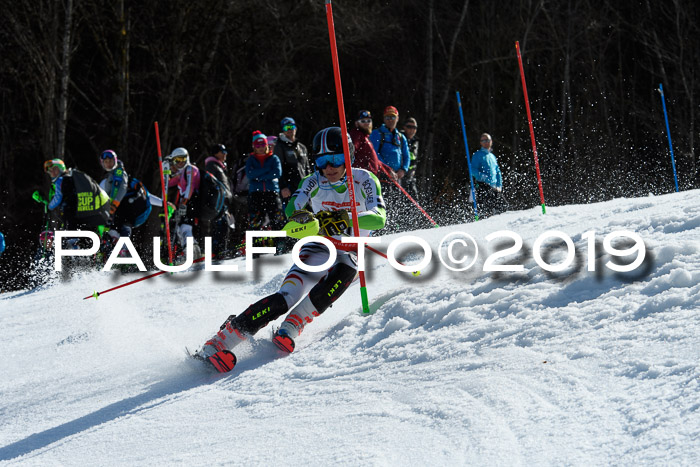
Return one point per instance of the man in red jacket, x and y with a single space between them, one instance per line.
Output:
365 155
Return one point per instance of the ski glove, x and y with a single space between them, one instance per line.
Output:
333 222
113 207
301 224
38 198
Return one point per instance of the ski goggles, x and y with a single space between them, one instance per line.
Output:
334 160
260 143
289 127
108 155
179 159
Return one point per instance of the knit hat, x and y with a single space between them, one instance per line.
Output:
287 121
258 135
411 121
217 148
363 114
271 140
391 110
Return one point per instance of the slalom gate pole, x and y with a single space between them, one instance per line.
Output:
164 193
97 294
668 132
346 147
383 255
469 161
532 131
410 198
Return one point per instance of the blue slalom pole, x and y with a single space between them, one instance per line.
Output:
469 162
668 132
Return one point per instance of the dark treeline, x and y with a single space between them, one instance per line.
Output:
81 76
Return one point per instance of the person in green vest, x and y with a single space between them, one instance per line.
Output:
77 198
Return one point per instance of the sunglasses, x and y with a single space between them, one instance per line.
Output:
334 160
485 140
390 117
289 127
410 127
365 120
179 159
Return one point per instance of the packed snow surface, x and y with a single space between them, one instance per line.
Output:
575 367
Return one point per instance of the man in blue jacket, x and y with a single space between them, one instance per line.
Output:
391 147
488 182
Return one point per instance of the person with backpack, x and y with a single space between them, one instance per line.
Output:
77 200
264 170
219 227
365 155
321 205
294 158
130 203
392 149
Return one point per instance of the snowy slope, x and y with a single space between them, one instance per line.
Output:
453 368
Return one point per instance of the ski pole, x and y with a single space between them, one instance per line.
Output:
164 190
40 199
410 198
532 131
346 148
383 255
469 162
97 294
668 132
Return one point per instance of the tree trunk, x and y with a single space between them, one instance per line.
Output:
65 79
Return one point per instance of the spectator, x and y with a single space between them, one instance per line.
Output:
272 142
239 206
294 158
219 227
390 144
488 183
365 155
264 170
392 149
410 127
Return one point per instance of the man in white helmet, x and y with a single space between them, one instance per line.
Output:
320 206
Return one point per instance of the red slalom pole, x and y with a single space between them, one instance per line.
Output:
410 198
532 131
164 193
97 294
346 147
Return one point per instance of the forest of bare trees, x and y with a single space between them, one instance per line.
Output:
81 76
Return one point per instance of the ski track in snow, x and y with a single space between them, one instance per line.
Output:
452 368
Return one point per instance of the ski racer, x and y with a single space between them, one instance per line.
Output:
78 200
322 200
129 201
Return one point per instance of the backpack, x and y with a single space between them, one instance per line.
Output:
212 197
